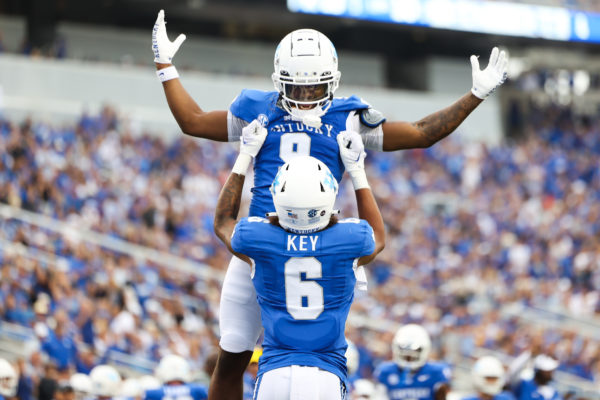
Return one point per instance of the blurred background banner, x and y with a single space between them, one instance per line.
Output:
490 17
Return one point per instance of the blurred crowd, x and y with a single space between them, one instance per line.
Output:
472 232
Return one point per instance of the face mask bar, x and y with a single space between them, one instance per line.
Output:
314 109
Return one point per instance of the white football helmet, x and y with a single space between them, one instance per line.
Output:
352 358
173 368
131 388
306 75
488 375
8 379
363 389
82 385
106 381
411 346
304 192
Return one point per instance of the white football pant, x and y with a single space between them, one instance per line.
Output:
299 383
239 313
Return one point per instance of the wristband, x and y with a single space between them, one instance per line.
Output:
359 179
241 164
166 74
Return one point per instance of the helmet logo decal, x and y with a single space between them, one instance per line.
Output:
291 214
329 181
312 213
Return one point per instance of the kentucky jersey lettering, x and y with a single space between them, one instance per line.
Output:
418 385
288 138
178 392
305 286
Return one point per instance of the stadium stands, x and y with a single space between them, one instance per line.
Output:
478 236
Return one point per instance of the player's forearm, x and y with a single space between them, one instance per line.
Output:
189 116
369 211
228 207
401 135
440 124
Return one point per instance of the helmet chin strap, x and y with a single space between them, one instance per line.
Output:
312 120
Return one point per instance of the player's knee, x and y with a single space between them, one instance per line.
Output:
232 365
234 343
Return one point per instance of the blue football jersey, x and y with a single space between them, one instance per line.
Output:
499 396
304 286
188 391
420 384
529 390
287 138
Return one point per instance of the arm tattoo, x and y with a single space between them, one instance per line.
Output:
440 124
229 201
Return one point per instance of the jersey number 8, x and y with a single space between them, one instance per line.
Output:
294 144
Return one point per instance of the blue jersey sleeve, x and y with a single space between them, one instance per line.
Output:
252 103
381 372
358 236
444 373
244 239
199 392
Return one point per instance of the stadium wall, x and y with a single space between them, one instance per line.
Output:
63 89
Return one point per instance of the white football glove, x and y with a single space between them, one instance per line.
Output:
352 153
253 137
164 50
486 81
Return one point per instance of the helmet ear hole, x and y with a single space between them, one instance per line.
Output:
322 188
283 187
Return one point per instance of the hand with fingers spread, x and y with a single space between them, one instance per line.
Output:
487 80
164 50
352 153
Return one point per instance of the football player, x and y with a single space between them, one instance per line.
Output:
106 382
541 385
302 263
8 380
302 117
82 385
488 379
174 373
410 375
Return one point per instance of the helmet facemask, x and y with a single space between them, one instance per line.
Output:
488 375
8 379
411 347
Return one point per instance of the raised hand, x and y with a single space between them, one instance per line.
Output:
164 50
487 80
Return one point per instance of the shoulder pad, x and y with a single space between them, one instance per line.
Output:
371 117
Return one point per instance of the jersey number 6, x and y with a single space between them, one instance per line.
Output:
303 298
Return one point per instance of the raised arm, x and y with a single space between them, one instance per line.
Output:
353 156
436 126
228 205
191 118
